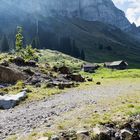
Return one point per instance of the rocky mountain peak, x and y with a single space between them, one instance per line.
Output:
91 10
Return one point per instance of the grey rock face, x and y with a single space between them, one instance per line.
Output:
9 75
91 10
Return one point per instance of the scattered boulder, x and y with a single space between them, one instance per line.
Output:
5 63
98 83
35 80
68 135
63 85
64 70
10 75
19 61
55 137
55 68
31 63
85 132
43 138
89 79
136 135
126 126
101 134
50 85
126 134
137 125
47 66
2 86
60 84
29 71
76 77
10 101
83 135
37 85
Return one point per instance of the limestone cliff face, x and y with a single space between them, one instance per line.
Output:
91 10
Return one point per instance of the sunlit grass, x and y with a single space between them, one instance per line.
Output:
121 109
55 58
109 73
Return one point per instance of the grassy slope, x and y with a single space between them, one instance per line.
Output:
114 74
89 35
56 58
123 106
53 58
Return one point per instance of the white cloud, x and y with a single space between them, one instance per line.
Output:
119 1
131 8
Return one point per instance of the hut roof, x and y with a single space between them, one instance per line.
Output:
115 63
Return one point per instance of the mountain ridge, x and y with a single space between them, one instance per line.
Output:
91 10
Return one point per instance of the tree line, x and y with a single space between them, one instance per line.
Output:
44 40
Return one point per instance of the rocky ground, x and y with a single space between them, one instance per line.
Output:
47 113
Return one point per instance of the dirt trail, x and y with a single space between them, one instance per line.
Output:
24 118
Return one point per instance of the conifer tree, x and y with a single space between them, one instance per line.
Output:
36 43
82 55
75 50
4 44
19 39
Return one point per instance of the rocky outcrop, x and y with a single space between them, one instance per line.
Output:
91 10
10 75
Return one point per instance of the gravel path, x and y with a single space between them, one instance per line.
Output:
24 118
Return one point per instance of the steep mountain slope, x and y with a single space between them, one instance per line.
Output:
91 10
100 42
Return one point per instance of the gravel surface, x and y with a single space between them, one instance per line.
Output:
23 118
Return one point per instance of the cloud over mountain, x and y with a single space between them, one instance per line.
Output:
131 8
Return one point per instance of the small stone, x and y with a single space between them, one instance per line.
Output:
126 134
5 63
98 83
43 138
83 135
85 132
31 63
89 79
137 125
38 85
48 125
55 137
101 134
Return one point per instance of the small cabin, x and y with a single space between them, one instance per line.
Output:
90 68
120 65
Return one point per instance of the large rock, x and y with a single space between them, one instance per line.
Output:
101 134
76 77
9 75
83 135
31 63
62 69
10 101
19 61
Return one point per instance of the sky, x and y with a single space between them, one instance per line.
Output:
131 9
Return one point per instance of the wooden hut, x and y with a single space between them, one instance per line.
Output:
120 65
